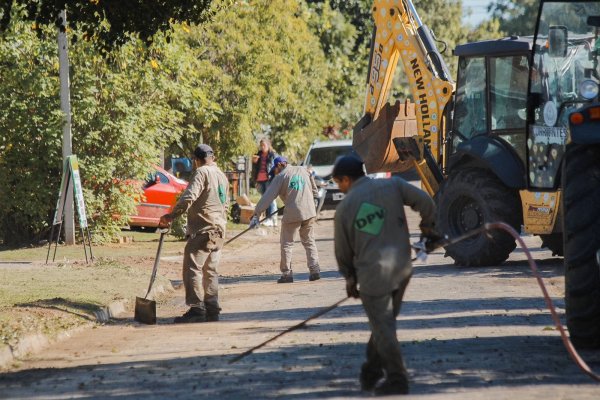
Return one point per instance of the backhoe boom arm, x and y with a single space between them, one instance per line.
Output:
400 35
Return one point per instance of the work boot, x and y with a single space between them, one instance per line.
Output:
314 276
369 377
212 313
194 314
392 386
314 273
286 279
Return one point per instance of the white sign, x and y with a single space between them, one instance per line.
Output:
71 181
549 134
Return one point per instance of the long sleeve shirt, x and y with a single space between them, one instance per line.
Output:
371 232
297 188
205 201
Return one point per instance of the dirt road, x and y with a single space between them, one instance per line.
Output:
466 333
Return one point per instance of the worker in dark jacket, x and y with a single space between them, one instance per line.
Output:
205 201
373 253
297 188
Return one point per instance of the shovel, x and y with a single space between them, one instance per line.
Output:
145 310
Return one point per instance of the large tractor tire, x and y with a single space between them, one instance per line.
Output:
554 243
467 200
582 241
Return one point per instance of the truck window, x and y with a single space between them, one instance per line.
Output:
319 156
470 110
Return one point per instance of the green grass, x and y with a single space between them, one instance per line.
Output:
39 298
50 298
144 245
80 286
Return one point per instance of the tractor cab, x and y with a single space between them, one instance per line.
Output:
490 103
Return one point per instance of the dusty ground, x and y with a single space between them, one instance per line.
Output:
475 333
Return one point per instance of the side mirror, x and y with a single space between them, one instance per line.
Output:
558 37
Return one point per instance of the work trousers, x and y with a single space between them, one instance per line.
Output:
288 231
200 277
383 349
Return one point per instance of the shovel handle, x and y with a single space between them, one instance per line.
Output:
163 232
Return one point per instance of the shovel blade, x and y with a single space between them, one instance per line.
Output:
145 311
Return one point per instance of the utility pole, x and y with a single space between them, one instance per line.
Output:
65 106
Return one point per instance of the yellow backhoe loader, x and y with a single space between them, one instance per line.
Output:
466 139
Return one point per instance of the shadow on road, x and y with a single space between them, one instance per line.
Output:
84 310
298 277
511 269
309 371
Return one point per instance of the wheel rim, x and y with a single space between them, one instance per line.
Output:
465 215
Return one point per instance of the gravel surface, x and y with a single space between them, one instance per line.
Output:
466 333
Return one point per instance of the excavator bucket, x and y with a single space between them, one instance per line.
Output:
373 140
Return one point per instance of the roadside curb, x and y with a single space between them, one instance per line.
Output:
34 343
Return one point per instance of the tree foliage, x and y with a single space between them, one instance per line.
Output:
247 68
515 17
262 68
120 118
150 75
122 17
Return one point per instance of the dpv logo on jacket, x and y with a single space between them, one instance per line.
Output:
369 219
297 183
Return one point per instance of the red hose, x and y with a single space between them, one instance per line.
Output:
565 339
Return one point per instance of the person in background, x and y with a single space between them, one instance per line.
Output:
297 189
262 163
205 201
371 241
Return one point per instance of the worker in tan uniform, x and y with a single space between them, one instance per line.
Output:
205 201
373 253
297 188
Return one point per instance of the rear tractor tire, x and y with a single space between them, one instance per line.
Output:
581 177
466 201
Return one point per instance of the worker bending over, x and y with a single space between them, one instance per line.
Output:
373 251
297 188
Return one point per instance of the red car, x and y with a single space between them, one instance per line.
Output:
161 190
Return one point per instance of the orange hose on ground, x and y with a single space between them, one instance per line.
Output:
565 339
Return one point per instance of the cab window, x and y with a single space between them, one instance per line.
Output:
470 110
508 92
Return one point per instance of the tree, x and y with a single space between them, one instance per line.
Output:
263 68
142 17
121 119
347 62
516 17
486 30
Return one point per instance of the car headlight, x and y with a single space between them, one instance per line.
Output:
588 89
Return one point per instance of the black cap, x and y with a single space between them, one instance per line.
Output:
202 151
348 166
